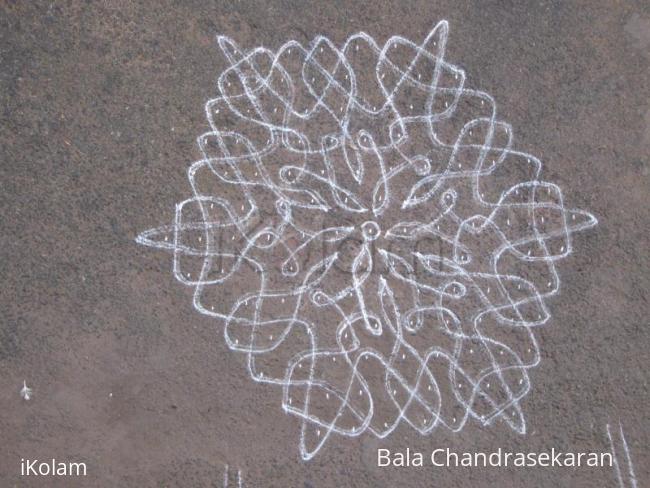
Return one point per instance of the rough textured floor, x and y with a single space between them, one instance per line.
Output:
101 104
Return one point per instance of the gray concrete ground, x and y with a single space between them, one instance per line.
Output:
101 103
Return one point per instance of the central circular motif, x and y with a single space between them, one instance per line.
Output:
370 230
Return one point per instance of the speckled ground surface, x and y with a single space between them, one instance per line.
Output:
100 105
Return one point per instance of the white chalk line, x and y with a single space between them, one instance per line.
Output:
630 475
226 477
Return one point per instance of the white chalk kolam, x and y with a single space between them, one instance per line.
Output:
363 230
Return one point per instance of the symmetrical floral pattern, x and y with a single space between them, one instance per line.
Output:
366 234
